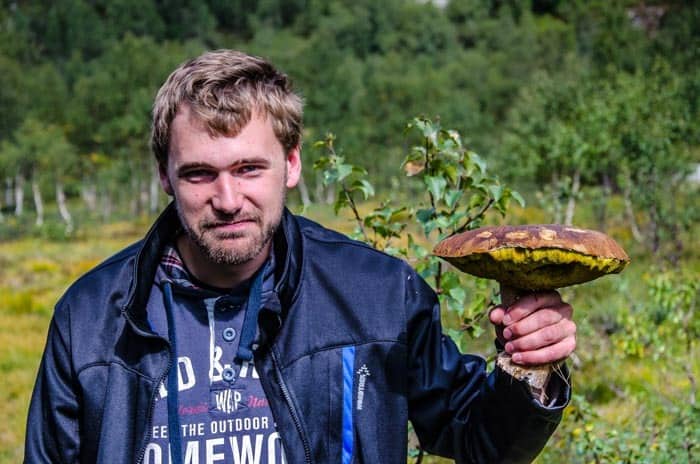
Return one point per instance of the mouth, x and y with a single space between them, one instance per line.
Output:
230 226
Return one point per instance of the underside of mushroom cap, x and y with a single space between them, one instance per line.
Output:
534 257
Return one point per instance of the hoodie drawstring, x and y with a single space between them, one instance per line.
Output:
244 353
173 416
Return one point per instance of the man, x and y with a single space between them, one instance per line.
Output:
238 332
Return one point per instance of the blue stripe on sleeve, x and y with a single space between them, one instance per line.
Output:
348 378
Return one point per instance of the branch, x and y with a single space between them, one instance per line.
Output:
355 212
470 219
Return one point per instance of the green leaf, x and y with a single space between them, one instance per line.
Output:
436 186
451 172
343 171
357 170
452 196
363 186
496 192
400 215
341 201
322 163
517 197
458 294
330 176
424 215
476 160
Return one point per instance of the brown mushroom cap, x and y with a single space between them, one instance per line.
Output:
534 257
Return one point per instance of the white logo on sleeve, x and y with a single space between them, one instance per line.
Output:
363 373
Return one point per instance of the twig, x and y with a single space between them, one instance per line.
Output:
355 212
472 218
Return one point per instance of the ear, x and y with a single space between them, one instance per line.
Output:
164 180
293 166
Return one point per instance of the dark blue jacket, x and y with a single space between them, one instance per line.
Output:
355 352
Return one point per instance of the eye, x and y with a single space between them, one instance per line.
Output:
198 176
249 169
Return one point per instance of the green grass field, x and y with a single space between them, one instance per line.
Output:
634 370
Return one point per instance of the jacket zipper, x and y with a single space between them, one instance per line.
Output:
162 377
152 406
292 410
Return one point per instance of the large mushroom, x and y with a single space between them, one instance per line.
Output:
529 258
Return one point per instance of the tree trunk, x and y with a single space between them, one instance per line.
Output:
629 212
9 193
154 190
62 206
318 189
571 205
89 194
330 194
144 195
38 202
304 192
19 194
654 229
556 204
106 205
602 210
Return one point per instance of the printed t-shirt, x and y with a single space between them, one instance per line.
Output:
224 413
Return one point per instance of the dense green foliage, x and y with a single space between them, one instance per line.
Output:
589 108
530 84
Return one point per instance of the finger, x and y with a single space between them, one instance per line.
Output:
537 320
496 315
549 354
546 336
496 318
530 303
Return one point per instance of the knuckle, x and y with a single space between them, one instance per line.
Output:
515 330
550 335
554 316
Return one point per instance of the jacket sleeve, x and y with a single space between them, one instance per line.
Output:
52 425
457 409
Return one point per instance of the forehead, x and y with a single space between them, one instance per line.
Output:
193 141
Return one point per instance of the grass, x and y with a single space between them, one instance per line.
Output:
33 275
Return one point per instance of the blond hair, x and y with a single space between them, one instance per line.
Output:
223 89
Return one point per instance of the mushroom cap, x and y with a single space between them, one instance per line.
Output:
534 257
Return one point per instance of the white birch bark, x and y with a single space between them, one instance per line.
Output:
9 193
63 207
19 194
304 192
38 202
89 194
154 190
629 212
571 204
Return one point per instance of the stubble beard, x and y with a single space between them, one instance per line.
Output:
212 244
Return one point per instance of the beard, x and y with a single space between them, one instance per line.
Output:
231 248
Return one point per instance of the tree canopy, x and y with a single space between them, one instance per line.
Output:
575 98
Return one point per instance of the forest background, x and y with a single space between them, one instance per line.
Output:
588 109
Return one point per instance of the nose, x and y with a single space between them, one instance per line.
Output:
227 197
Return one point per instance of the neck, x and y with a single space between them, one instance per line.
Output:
216 274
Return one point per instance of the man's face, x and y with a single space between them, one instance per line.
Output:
229 191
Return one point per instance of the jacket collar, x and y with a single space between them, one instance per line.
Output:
288 250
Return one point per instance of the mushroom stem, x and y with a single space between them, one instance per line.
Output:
510 295
536 377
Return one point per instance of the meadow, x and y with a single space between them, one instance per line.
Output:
634 373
